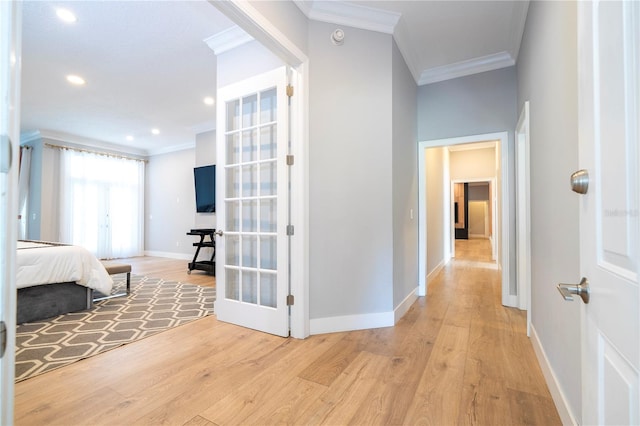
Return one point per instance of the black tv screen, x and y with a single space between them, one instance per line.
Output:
205 183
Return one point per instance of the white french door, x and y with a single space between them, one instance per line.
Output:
252 247
10 31
609 111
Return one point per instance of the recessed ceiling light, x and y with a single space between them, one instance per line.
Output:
155 131
66 15
209 100
74 79
129 138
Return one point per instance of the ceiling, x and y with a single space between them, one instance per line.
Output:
146 64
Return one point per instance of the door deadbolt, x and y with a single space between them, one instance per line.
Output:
580 181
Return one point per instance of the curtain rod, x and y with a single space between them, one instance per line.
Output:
106 154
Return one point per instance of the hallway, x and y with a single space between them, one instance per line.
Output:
456 357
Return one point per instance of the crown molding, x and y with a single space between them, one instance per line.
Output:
203 127
464 68
403 41
170 149
352 15
227 40
518 20
80 141
27 137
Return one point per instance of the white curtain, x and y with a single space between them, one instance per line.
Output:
102 203
23 190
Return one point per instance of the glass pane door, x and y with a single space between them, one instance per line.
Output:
252 251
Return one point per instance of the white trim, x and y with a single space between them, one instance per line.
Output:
352 322
249 19
463 68
432 275
503 138
227 39
404 306
170 149
559 398
170 255
93 143
207 126
523 213
30 136
352 15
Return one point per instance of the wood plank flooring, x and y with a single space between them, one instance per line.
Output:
456 357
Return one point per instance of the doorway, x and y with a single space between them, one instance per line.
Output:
499 204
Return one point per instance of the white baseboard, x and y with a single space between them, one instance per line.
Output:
170 255
510 301
351 322
435 271
404 306
558 396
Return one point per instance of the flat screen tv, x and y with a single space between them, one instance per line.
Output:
205 183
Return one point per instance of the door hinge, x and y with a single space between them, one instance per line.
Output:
290 300
290 230
289 90
290 160
3 336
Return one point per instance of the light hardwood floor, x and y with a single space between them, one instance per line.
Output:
456 357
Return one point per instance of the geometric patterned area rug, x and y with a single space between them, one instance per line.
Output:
154 305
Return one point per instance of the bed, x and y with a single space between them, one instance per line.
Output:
54 279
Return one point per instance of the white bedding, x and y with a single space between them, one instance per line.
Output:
41 263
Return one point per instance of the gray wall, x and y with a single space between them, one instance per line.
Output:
547 77
350 173
476 104
405 180
170 203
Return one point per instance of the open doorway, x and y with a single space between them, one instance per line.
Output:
436 225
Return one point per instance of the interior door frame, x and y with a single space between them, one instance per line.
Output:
10 51
501 231
523 212
494 225
260 28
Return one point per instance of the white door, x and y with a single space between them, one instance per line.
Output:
609 106
252 254
10 31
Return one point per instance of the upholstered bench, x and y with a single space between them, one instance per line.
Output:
114 268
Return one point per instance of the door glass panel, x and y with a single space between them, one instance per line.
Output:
232 243
250 252
249 145
232 284
251 173
268 289
233 182
250 216
268 106
233 148
268 178
232 216
268 144
233 115
249 111
268 215
250 180
250 287
268 253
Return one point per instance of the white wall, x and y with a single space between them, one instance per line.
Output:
547 77
350 173
435 199
405 180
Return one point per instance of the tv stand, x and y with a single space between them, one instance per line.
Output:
204 265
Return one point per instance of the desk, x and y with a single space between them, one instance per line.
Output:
204 265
